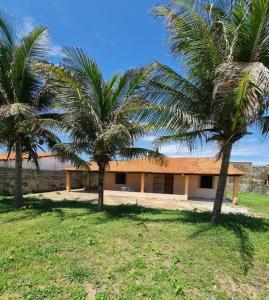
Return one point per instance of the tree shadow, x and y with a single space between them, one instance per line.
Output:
246 247
36 207
238 224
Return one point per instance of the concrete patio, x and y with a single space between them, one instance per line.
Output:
161 201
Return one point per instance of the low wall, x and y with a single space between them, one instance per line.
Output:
254 180
32 182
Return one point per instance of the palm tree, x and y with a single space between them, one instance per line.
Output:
24 97
224 46
98 115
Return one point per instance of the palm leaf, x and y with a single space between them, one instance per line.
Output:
136 153
33 46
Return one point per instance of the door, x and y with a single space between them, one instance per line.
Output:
169 184
158 183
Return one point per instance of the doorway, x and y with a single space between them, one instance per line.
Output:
163 183
169 184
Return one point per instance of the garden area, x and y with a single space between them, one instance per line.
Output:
68 250
77 106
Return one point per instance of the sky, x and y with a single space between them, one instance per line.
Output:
118 34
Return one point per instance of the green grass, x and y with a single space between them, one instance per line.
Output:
56 250
257 203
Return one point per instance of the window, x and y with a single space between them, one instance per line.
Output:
120 178
206 182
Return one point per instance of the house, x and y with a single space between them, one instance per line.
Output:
47 161
181 178
51 176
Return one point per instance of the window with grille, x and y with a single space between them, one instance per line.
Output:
120 178
206 182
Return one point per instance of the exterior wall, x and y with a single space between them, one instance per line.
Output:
245 181
179 184
256 178
32 182
196 192
148 183
51 163
132 181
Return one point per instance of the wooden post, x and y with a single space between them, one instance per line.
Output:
235 189
186 186
142 183
68 181
89 182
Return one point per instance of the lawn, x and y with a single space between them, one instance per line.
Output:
257 203
66 250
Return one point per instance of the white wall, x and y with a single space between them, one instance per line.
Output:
45 163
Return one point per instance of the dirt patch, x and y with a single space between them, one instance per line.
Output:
91 291
112 199
250 289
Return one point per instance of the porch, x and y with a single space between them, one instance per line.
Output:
156 186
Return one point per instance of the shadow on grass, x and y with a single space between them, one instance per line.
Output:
238 224
37 207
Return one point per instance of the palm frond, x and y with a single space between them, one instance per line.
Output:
7 28
17 110
71 94
33 46
253 41
191 38
190 138
68 152
137 153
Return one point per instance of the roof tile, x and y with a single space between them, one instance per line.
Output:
179 165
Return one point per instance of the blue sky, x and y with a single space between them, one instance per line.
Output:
118 34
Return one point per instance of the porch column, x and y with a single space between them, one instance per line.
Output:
235 189
68 181
142 183
87 182
186 186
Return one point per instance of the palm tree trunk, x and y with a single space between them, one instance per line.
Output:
18 197
222 182
101 174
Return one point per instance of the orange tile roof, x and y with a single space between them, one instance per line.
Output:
179 165
4 156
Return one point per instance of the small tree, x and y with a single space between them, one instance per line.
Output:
99 116
224 47
24 97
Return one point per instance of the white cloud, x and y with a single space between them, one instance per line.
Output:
254 151
179 150
28 24
149 138
56 50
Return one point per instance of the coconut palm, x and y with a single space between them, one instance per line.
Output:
98 115
224 47
24 97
